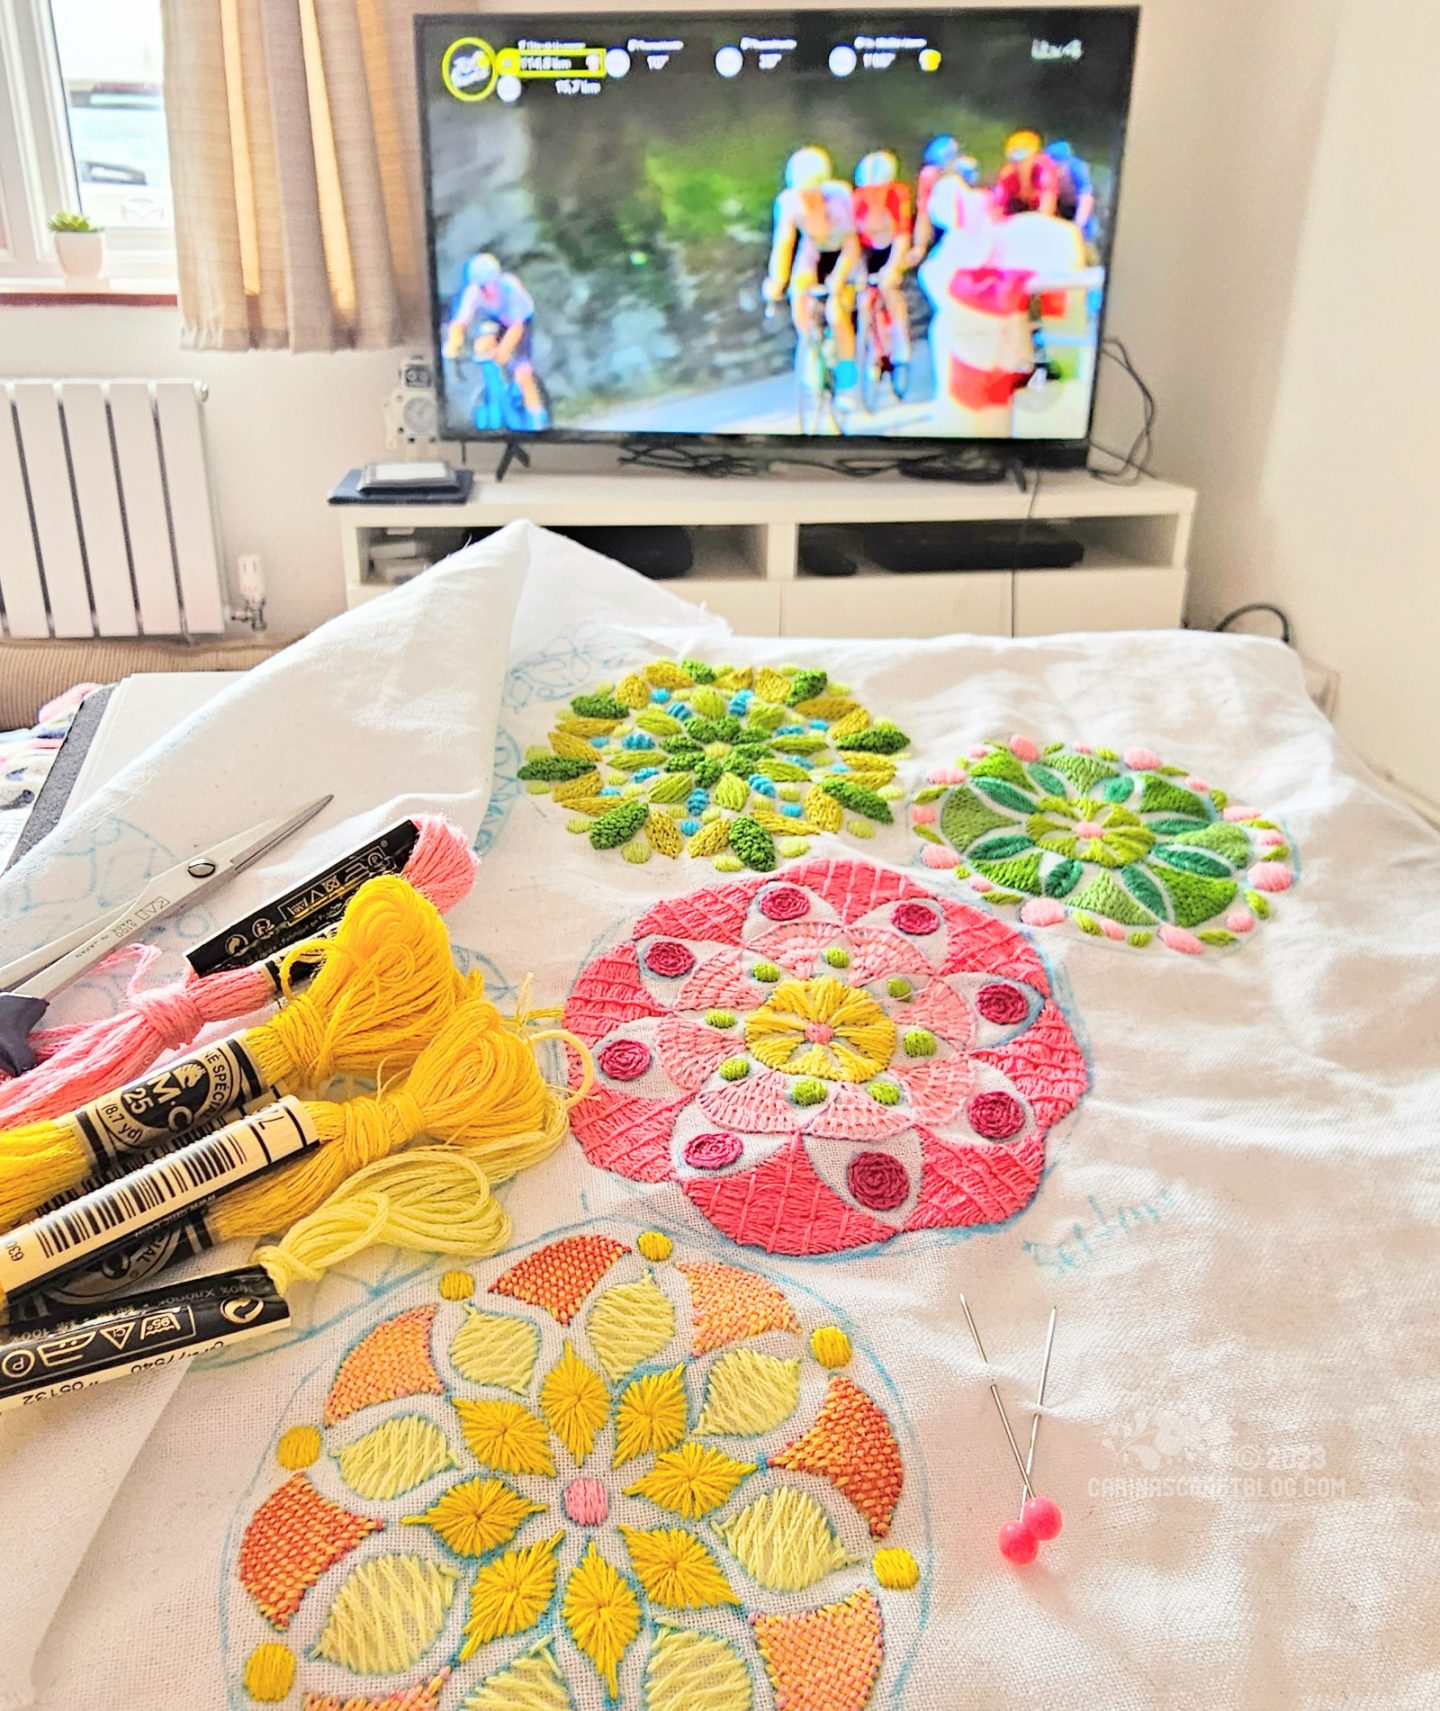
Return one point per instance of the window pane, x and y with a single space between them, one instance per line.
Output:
112 66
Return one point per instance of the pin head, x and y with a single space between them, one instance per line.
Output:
1042 1516
1018 1544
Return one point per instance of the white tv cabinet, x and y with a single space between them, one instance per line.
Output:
747 536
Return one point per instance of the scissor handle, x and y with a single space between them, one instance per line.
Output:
18 1015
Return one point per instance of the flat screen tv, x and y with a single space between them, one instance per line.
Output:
768 225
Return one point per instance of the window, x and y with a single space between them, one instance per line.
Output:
82 126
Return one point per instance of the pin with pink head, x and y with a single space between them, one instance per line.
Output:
1040 1517
1018 1543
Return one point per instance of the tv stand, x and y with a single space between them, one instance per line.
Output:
514 452
750 538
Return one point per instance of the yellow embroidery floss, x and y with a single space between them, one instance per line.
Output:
429 1199
477 1087
384 985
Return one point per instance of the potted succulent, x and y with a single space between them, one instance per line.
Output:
79 246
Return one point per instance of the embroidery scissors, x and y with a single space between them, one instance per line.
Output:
28 984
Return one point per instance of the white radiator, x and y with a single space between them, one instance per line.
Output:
105 519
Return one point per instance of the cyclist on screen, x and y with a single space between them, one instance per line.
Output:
1075 189
815 244
883 224
942 155
495 314
1029 181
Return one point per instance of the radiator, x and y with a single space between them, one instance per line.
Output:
105 518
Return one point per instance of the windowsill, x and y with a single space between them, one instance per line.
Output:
130 293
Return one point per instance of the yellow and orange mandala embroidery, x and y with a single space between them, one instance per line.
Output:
822 1027
655 1463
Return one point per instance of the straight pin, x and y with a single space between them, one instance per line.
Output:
1039 1404
995 1395
1039 1516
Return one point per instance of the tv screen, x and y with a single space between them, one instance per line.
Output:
761 224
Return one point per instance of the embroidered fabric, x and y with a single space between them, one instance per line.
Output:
679 1505
861 1007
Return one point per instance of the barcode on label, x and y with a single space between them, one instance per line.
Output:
129 1200
157 1194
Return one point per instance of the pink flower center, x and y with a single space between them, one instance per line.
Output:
1089 829
713 1151
586 1503
624 1060
916 919
819 1033
877 1180
997 1115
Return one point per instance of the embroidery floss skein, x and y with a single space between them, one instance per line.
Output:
80 1063
385 984
429 1199
433 1200
477 1087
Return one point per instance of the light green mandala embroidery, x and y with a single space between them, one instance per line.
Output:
1122 846
740 765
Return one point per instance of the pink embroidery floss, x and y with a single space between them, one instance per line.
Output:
78 1064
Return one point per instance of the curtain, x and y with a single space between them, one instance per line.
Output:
292 148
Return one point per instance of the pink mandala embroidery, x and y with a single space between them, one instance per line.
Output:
826 1059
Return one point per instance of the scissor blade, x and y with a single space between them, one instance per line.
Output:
44 972
241 851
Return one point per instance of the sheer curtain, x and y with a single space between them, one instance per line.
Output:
293 159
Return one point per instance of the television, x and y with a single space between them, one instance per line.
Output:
774 226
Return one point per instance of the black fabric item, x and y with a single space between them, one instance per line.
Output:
659 552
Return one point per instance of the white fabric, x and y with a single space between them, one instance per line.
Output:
1238 1226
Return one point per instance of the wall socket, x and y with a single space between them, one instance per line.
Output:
250 585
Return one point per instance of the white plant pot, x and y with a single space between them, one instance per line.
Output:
81 254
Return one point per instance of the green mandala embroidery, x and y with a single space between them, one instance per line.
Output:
740 765
1121 845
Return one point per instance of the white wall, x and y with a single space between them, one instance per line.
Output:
1270 279
1315 436
282 430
